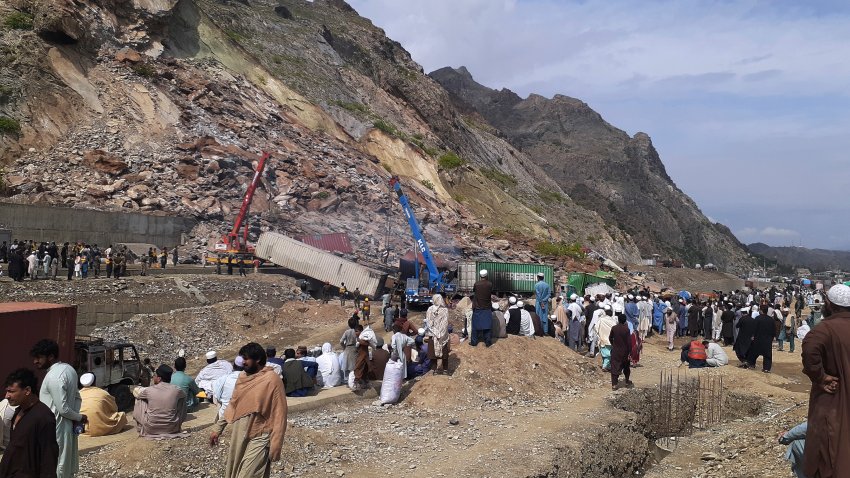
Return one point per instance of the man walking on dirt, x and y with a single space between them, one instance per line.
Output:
826 361
257 411
621 348
482 305
765 332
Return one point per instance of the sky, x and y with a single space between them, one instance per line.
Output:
747 102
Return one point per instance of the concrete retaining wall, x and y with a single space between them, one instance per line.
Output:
91 316
60 224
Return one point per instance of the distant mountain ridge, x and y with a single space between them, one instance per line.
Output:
816 260
601 167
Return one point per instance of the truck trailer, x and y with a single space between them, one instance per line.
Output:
319 265
507 277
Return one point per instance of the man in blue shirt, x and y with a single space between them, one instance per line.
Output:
632 312
541 303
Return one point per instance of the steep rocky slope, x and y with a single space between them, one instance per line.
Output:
163 106
603 169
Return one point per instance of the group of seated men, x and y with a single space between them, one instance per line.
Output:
161 408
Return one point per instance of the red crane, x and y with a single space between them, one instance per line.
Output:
232 243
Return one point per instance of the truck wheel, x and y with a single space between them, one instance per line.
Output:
123 397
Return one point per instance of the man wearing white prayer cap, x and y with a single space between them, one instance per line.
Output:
100 408
827 363
499 323
215 368
513 317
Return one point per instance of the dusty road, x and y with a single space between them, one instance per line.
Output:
525 407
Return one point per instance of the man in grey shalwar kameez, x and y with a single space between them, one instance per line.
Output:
161 408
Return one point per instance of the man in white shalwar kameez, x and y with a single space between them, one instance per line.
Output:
59 392
213 371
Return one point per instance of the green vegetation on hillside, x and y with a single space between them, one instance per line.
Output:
503 179
9 125
450 160
560 249
18 21
552 197
144 70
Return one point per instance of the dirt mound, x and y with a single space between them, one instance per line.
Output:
196 330
693 280
315 314
515 370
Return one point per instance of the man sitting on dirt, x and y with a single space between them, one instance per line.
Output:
223 386
215 368
513 317
795 438
274 362
379 360
407 327
422 364
307 361
161 408
184 382
526 324
100 408
716 356
295 380
694 354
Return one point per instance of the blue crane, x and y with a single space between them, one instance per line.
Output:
436 279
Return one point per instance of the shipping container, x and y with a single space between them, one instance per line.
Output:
319 265
507 277
580 280
25 323
337 242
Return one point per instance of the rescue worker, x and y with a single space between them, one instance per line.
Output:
694 354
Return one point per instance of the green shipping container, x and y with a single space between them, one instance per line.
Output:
507 277
580 280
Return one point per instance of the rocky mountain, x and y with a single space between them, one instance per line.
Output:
601 167
816 260
163 106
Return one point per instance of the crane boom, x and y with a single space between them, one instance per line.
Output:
435 277
232 240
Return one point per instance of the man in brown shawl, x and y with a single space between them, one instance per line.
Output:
257 412
826 361
437 319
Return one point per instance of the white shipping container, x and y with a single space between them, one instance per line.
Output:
467 275
318 264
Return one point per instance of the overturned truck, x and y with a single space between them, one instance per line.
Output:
318 265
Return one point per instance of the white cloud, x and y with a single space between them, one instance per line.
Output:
746 101
605 47
770 232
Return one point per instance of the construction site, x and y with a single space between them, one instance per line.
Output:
524 397
210 173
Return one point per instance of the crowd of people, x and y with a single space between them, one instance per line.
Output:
43 260
41 423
